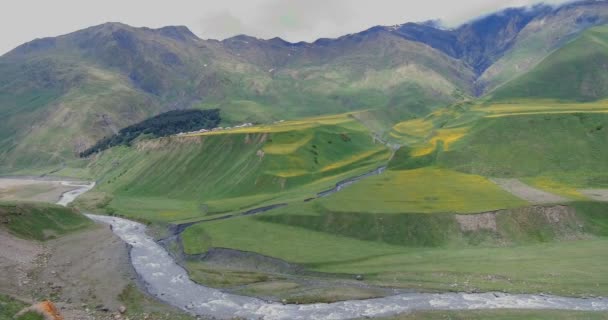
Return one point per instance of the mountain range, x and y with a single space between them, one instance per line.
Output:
58 96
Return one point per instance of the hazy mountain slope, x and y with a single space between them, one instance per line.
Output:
370 69
575 72
49 123
478 43
75 89
541 37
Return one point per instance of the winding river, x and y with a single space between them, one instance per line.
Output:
170 283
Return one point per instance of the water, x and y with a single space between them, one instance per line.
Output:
70 196
169 282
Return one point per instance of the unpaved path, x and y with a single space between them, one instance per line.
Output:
528 193
596 194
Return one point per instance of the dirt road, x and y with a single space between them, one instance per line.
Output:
31 190
528 193
596 194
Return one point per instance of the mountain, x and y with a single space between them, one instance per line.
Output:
576 72
75 89
541 37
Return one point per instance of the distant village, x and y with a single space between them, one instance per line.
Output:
244 125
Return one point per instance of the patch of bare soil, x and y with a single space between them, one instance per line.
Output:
477 222
89 268
562 220
17 260
31 190
528 193
252 274
596 194
84 273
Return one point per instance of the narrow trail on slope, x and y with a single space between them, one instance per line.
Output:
528 193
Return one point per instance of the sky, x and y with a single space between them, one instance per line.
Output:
293 20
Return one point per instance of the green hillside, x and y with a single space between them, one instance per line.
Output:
542 37
575 72
188 177
570 146
423 251
75 89
39 221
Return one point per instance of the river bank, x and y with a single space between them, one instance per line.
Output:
169 282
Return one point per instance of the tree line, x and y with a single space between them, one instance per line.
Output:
162 125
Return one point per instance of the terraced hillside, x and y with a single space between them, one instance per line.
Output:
75 89
435 220
204 174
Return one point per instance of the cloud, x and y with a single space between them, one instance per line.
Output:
222 24
293 20
297 20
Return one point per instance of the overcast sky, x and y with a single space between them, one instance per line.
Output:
293 20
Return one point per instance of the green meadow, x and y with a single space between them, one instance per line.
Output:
40 221
197 176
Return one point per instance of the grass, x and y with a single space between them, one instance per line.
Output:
502 315
367 231
552 186
539 106
30 316
175 179
569 148
525 268
595 215
211 276
446 136
271 240
9 307
41 221
139 304
426 251
571 73
426 190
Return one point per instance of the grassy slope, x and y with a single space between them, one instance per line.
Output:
388 247
427 190
63 124
528 268
570 147
90 83
575 72
41 221
540 38
9 307
181 178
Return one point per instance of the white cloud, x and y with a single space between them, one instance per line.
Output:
293 20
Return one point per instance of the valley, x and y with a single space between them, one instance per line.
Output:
408 172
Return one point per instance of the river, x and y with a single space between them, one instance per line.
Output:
170 283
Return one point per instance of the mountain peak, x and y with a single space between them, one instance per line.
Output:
177 32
